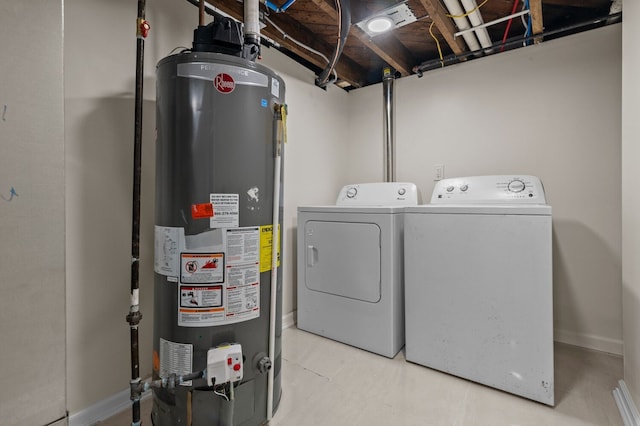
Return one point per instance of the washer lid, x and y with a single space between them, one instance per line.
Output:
500 189
488 209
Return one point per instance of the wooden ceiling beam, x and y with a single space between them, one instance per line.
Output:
535 9
388 47
439 16
347 70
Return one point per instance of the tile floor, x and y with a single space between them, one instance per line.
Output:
328 383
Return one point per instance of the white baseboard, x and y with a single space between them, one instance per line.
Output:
289 320
627 408
104 409
590 341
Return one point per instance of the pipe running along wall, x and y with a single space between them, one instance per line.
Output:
135 316
389 148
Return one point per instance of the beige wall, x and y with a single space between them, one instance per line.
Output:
547 110
551 110
630 197
32 252
99 82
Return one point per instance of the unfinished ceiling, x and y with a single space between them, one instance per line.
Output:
307 30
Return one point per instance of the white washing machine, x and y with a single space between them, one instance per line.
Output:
478 283
350 284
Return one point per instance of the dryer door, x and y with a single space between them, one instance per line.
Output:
343 259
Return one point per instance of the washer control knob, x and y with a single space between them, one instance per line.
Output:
450 188
402 191
516 185
464 187
352 192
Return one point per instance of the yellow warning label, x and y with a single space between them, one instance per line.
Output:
266 246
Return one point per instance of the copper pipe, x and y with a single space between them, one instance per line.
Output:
201 13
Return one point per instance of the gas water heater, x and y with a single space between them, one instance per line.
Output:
218 197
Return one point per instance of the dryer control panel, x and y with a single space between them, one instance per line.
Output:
501 189
379 194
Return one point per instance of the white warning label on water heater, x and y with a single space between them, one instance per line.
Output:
175 358
167 250
226 210
228 292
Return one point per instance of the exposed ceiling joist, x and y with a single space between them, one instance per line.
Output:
314 24
389 49
347 69
438 15
535 9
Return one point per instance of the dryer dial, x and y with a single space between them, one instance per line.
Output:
352 192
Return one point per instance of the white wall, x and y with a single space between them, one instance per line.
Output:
99 83
32 258
630 197
551 110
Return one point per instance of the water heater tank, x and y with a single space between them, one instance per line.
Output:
216 144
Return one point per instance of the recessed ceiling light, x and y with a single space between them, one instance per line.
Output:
391 18
380 24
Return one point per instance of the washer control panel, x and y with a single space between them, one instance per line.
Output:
501 189
379 194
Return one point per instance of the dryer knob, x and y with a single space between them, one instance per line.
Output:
402 191
351 192
450 188
464 187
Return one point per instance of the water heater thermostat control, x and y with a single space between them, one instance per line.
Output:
224 364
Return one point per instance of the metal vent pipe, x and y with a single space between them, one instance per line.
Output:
389 157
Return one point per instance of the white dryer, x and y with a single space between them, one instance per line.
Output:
478 283
350 283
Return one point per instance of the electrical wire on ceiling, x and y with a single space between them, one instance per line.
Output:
286 36
343 7
463 15
526 22
437 43
506 31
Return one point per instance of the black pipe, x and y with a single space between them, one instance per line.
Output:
135 316
515 42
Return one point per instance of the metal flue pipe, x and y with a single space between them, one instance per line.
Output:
251 29
389 150
135 316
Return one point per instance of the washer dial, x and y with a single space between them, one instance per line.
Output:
516 186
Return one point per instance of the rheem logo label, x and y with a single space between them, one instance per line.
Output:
224 83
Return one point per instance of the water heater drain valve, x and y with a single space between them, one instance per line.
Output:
224 364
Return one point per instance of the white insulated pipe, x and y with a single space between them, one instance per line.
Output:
455 9
476 20
277 166
496 21
252 19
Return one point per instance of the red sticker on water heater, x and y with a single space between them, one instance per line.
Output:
224 83
201 211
